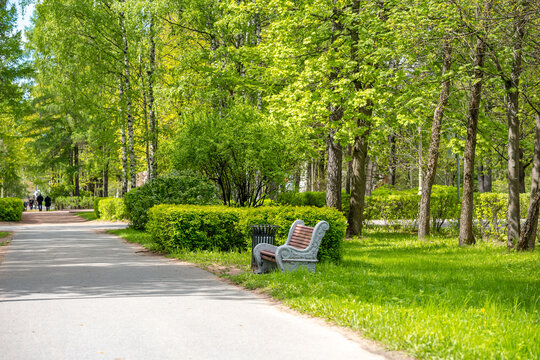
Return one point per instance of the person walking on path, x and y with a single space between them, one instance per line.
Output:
47 203
40 201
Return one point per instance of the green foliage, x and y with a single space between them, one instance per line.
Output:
11 209
96 206
490 211
176 227
312 198
241 150
112 209
71 203
190 227
183 188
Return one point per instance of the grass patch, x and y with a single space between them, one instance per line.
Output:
431 299
4 238
87 215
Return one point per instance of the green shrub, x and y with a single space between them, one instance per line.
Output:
311 198
112 209
96 205
490 212
70 203
183 188
11 209
224 228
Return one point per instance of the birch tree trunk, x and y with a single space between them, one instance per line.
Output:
433 152
145 116
153 121
129 113
123 138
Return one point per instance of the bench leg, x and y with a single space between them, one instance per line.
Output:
264 266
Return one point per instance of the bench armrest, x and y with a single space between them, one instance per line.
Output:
286 252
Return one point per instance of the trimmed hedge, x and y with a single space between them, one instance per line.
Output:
175 227
70 203
392 205
311 198
112 209
11 209
96 205
182 188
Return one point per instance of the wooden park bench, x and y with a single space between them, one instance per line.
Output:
300 250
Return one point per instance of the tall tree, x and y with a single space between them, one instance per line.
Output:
466 235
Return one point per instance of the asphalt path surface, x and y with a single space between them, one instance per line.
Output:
68 290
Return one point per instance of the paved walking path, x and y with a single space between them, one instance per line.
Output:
70 291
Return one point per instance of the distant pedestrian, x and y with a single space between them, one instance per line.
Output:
47 202
31 203
40 202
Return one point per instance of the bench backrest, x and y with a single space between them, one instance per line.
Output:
301 237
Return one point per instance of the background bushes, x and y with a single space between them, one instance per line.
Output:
182 188
311 198
11 209
71 203
112 209
175 227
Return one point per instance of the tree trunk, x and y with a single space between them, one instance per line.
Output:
522 169
106 180
480 175
333 171
528 233
512 108
70 177
487 178
371 163
123 139
349 170
129 113
153 120
145 116
76 164
466 235
308 176
393 160
358 183
433 152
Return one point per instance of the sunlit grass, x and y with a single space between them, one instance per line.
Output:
87 215
3 234
431 299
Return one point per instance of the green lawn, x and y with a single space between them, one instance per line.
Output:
3 234
433 300
88 215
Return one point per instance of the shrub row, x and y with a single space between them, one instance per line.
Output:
70 203
311 198
111 209
392 206
175 227
181 188
11 209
